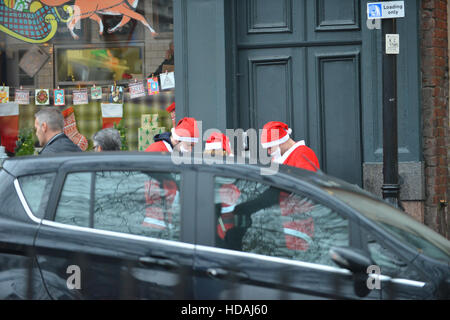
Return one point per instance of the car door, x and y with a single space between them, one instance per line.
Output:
117 233
19 273
403 275
266 242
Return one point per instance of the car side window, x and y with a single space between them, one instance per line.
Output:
133 202
390 263
36 190
73 206
254 217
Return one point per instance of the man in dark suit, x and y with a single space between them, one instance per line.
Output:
49 125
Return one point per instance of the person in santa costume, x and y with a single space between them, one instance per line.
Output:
295 211
161 194
228 195
275 137
181 138
218 143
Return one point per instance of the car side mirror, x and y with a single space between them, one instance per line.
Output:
357 261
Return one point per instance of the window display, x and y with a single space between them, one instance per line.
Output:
116 58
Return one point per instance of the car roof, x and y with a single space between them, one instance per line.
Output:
29 165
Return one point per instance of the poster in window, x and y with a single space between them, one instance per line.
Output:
116 94
80 96
22 96
4 94
153 86
167 80
42 97
96 93
59 97
137 90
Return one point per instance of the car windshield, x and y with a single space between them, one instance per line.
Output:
408 230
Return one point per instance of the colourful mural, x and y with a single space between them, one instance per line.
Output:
30 21
37 21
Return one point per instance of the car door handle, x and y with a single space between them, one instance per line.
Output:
220 273
159 261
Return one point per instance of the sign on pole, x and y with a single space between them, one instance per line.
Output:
386 10
392 44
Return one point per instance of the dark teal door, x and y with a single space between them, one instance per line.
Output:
299 62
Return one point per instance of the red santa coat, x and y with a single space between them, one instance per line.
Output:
159 146
159 200
299 233
296 155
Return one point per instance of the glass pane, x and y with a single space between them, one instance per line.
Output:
36 189
138 203
74 203
256 218
406 229
116 52
390 263
99 64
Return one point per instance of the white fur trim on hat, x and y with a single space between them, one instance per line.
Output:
185 139
277 142
213 146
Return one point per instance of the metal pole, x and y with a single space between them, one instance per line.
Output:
391 188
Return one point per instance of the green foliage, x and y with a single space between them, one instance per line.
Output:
25 142
123 131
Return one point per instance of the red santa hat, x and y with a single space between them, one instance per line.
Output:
274 133
218 141
171 107
186 130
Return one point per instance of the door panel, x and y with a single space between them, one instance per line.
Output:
301 66
334 73
122 230
111 266
273 87
268 243
259 19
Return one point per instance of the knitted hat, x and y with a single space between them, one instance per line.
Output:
274 133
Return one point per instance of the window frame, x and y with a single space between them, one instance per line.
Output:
302 195
45 206
140 44
277 181
187 232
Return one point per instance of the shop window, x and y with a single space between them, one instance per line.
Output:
118 45
132 202
257 218
98 65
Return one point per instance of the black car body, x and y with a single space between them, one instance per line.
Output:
140 226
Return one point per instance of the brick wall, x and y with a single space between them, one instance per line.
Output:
435 117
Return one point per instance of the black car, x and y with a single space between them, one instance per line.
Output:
141 226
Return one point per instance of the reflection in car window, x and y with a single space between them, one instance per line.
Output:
36 189
390 263
131 202
73 205
138 203
406 229
254 217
